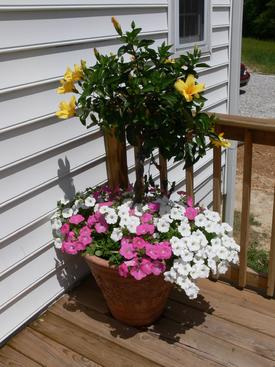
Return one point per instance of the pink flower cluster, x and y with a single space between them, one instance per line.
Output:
72 244
143 258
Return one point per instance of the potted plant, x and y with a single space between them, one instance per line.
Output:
136 240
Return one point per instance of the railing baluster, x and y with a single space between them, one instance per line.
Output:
190 181
271 265
116 161
163 174
217 167
247 170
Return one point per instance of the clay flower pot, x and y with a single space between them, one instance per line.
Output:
133 302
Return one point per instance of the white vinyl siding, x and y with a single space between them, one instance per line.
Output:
43 158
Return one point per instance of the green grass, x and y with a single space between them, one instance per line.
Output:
257 258
259 55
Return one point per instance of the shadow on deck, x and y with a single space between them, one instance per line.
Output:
223 327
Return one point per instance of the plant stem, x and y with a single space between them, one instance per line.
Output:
139 165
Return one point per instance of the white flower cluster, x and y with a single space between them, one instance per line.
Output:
196 255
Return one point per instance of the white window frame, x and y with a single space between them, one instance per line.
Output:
178 47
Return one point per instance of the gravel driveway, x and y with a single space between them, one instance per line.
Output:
259 97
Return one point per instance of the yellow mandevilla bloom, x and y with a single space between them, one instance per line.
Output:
221 142
189 88
74 75
66 87
66 109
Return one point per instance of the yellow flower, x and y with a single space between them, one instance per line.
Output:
66 87
189 88
68 76
221 142
74 75
116 25
66 109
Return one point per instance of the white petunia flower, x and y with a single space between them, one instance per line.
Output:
104 209
67 212
222 267
90 202
216 242
186 255
212 265
193 244
200 220
116 234
222 253
184 229
177 213
56 224
163 226
58 243
210 227
184 268
192 291
111 217
227 228
211 215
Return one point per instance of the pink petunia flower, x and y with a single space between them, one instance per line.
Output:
123 270
85 239
69 248
152 251
101 227
146 266
139 243
158 267
85 231
127 250
146 217
137 273
150 228
132 262
71 236
164 250
91 220
141 229
154 207
191 213
65 229
76 219
144 229
79 245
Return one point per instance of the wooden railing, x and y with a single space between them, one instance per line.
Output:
248 130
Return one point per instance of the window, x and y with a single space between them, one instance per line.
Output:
190 24
191 21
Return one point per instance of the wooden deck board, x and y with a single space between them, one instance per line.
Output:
224 327
44 350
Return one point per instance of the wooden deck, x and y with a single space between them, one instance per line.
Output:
224 327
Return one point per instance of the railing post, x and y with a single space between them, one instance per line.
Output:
271 264
116 161
247 170
217 167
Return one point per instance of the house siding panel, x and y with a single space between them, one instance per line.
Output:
45 157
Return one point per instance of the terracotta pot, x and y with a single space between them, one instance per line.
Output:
133 302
